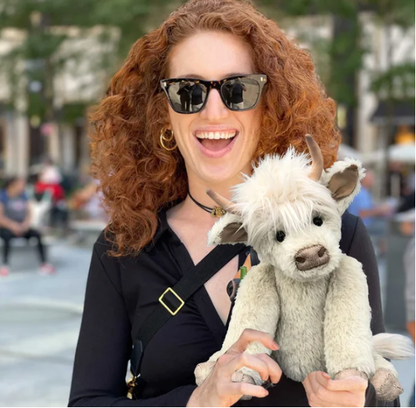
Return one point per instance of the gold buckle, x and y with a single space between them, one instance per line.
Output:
173 313
131 384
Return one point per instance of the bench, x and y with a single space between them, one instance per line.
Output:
87 230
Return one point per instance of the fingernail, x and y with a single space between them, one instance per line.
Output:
265 392
276 346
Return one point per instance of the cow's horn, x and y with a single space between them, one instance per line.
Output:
317 159
226 204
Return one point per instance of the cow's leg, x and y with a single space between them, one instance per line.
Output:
348 337
256 307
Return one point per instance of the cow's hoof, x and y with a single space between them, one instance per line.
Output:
202 371
386 384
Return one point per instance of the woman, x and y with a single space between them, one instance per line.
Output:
149 154
15 221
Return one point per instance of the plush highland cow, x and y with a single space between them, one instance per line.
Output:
306 293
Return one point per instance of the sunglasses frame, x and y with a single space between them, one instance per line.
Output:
260 78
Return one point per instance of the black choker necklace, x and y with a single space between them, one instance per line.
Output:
214 211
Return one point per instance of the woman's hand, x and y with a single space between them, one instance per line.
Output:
322 391
219 391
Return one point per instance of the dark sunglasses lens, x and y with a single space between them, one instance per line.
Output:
187 96
240 93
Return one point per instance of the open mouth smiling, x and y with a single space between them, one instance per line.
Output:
216 144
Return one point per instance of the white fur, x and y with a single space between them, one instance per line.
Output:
299 332
320 317
348 337
280 195
257 288
393 346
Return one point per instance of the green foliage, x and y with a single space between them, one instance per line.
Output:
397 12
71 112
398 82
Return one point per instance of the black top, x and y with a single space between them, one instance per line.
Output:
120 291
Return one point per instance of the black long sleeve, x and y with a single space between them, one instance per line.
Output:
123 291
362 249
104 344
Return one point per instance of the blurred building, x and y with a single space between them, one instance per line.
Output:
391 46
365 128
24 140
372 126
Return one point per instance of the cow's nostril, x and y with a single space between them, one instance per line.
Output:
321 252
300 259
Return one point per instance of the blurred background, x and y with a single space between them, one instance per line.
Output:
56 60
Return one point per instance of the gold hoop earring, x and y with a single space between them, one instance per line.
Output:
163 139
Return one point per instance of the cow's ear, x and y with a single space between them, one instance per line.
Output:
227 230
343 181
342 184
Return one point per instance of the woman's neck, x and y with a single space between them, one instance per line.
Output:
197 188
189 212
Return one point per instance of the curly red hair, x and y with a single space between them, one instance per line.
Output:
138 177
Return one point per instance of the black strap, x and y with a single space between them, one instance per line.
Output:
185 288
204 207
254 258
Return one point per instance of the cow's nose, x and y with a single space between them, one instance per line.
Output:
311 257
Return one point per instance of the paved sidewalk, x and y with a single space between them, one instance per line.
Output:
39 319
39 324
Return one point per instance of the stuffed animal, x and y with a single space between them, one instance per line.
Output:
306 293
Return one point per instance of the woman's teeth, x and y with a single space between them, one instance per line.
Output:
216 135
216 144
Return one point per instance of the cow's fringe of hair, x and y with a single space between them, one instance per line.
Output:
281 192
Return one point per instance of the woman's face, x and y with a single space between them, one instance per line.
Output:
214 56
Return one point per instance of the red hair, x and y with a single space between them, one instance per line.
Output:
138 177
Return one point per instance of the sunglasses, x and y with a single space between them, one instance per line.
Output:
189 95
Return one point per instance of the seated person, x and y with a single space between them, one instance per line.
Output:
15 221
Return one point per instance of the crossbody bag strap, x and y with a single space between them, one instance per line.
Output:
172 299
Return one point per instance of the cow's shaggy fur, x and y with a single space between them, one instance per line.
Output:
321 316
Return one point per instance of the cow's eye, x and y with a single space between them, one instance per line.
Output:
318 221
280 236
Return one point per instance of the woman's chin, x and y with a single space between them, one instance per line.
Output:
221 166
219 173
